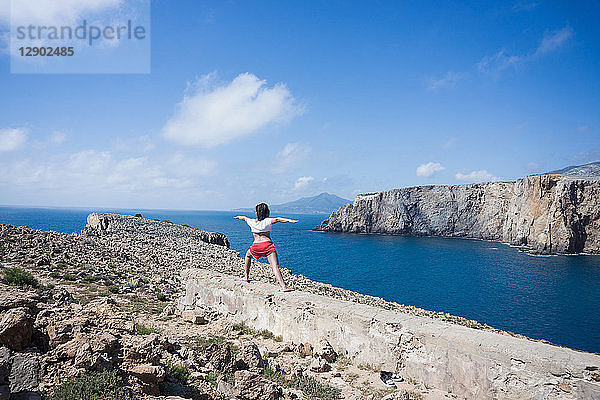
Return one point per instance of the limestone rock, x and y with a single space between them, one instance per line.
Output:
146 351
5 364
249 358
305 349
319 365
16 328
150 374
4 392
12 297
25 373
252 386
220 357
325 351
547 213
194 317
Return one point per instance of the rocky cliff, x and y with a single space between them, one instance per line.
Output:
107 224
548 214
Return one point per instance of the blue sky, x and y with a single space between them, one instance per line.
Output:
271 101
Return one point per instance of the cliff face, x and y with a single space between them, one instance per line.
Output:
547 213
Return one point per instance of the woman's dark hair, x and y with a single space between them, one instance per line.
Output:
262 211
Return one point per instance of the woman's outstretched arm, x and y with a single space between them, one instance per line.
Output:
281 219
242 217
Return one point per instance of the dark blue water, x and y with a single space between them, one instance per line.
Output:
553 298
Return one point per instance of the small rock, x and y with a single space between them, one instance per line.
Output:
225 388
150 374
305 349
194 317
326 351
319 365
565 387
16 328
252 386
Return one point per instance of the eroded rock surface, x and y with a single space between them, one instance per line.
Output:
545 213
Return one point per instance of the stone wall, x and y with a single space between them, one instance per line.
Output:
474 364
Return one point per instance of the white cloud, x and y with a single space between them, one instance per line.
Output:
58 137
51 11
554 40
449 80
212 117
477 176
290 155
429 169
94 170
12 139
500 61
525 6
303 182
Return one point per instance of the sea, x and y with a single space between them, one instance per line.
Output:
556 298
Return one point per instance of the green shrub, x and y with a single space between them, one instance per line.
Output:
19 277
69 277
90 279
156 219
138 215
161 296
186 225
61 265
179 372
91 386
54 275
113 289
143 330
166 221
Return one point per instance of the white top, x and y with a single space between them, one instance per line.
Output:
260 226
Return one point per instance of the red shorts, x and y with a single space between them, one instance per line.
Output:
261 249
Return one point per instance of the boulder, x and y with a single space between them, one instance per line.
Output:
220 357
249 358
16 328
5 364
252 386
4 392
147 351
12 297
24 373
149 374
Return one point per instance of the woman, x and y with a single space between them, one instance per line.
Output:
263 246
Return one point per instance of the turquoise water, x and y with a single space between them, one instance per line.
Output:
554 298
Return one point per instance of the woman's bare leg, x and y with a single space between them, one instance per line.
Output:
248 260
274 261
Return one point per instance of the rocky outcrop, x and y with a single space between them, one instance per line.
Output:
546 213
101 224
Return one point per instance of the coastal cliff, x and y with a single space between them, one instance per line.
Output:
548 214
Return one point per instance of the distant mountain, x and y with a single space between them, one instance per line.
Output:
323 203
591 169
